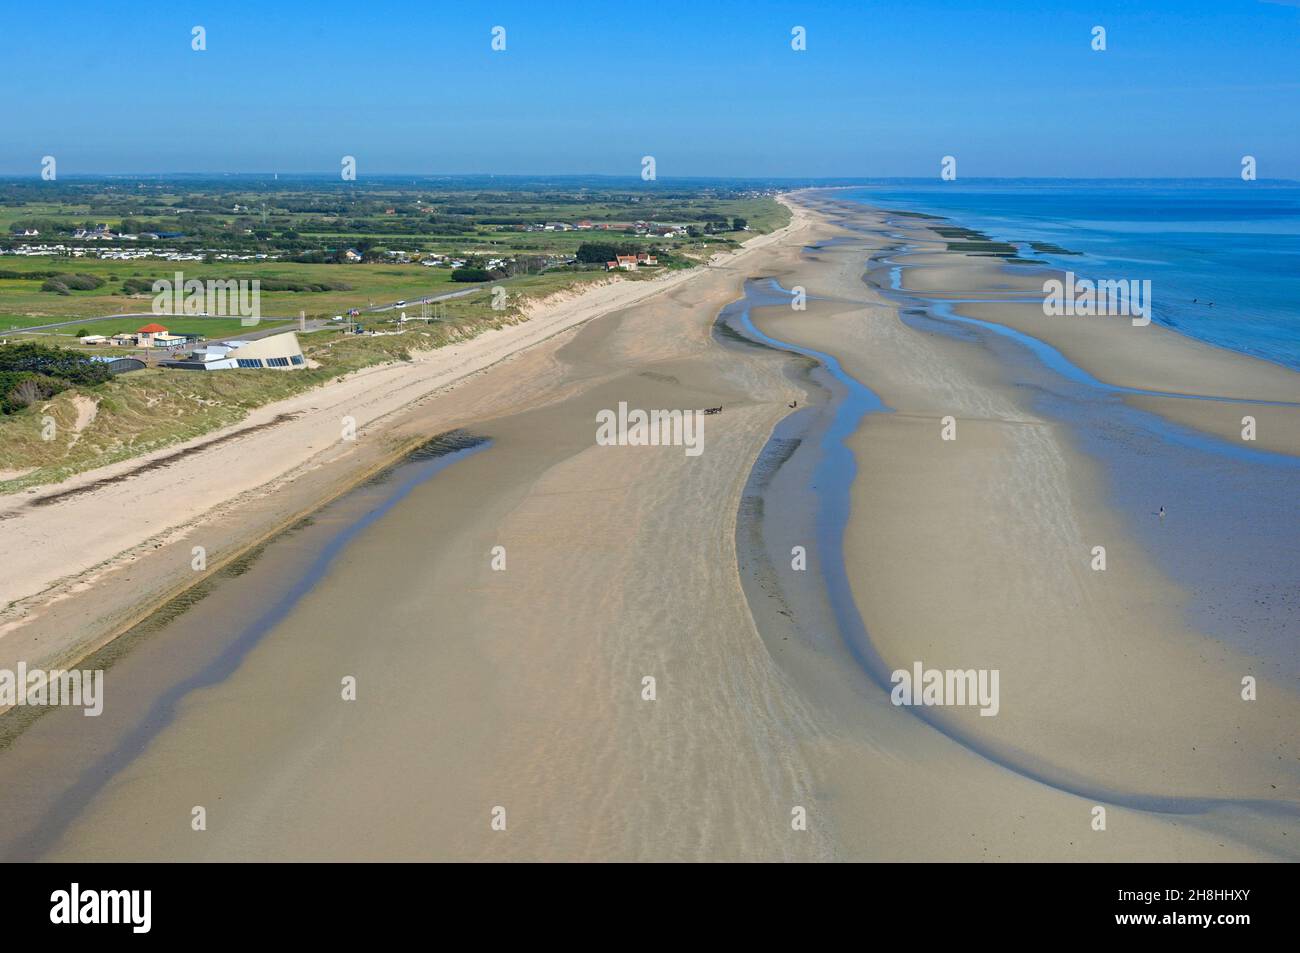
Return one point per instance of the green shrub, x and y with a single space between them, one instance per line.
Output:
27 275
601 252
136 286
84 282
63 284
21 389
57 362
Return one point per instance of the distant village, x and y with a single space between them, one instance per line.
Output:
102 233
653 229
147 247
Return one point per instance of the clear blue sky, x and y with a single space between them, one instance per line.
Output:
1185 88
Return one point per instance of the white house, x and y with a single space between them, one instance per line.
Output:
155 335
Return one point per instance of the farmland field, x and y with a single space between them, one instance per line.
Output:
300 241
305 230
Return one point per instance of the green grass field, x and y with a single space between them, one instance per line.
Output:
429 217
23 304
207 327
325 218
146 410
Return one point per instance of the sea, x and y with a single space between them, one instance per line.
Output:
1223 255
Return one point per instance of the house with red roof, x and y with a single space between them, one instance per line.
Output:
155 335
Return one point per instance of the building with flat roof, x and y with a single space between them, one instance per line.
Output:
275 352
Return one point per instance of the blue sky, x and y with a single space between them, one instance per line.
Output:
1185 88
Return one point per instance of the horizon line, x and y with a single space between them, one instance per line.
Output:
634 178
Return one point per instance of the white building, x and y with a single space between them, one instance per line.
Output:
276 351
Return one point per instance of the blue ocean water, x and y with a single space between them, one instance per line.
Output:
1230 243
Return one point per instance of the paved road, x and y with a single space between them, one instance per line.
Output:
104 317
415 302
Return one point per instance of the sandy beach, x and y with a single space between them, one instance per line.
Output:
523 687
243 484
1012 499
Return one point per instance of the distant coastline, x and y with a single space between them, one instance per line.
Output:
1220 253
